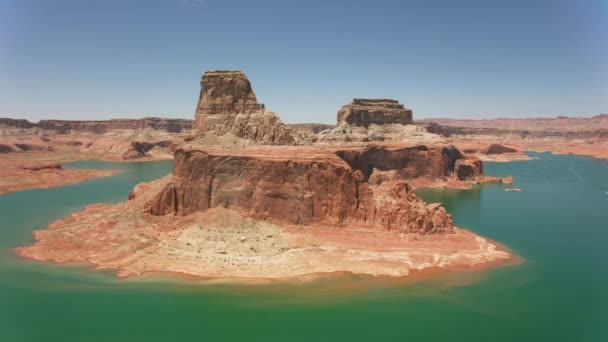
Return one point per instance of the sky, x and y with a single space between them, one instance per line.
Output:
78 59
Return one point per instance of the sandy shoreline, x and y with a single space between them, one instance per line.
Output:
425 272
414 275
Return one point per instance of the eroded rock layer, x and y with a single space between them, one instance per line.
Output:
102 126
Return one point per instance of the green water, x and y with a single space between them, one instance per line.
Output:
558 224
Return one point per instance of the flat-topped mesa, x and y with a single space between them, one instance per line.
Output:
365 187
227 105
365 112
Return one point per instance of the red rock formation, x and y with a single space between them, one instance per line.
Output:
410 162
227 104
304 188
364 112
310 128
226 92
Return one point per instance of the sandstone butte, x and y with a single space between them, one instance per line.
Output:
365 112
248 197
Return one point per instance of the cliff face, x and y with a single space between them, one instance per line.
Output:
103 126
414 162
352 187
365 112
17 123
227 105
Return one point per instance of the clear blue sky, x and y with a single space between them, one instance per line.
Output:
78 59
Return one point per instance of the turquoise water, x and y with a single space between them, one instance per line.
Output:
558 224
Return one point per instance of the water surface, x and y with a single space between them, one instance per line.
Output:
560 293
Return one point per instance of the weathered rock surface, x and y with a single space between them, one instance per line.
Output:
365 112
227 105
310 187
103 126
6 148
226 92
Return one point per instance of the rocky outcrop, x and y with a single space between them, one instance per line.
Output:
226 92
374 120
365 112
499 149
24 147
140 149
469 169
227 105
310 128
306 188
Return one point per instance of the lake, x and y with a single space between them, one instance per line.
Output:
558 225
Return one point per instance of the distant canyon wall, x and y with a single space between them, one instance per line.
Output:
103 126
